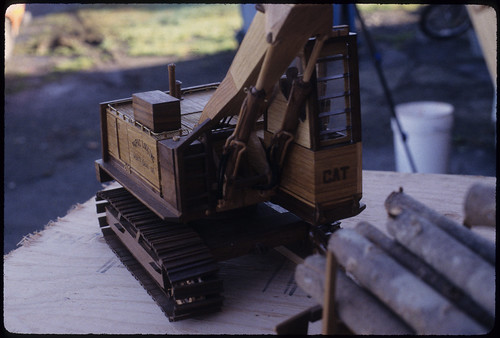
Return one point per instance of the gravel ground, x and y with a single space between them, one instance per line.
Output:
52 127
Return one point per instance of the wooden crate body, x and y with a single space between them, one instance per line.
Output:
167 171
135 149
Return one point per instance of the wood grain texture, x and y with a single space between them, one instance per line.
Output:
480 205
67 280
133 148
445 193
156 110
275 115
423 308
445 254
123 143
335 176
112 136
143 152
168 174
424 271
242 73
399 201
362 312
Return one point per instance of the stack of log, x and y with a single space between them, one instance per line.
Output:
434 276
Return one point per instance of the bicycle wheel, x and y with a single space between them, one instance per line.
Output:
444 21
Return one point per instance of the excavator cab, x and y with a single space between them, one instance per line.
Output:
321 178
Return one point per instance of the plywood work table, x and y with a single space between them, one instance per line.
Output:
67 280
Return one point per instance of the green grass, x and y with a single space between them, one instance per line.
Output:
166 30
370 8
74 64
102 33
99 33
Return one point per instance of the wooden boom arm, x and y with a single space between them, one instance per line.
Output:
288 28
284 28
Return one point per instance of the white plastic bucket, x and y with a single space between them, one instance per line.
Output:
427 126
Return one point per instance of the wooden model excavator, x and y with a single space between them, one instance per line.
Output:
196 164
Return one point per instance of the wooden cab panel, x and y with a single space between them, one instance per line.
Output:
314 184
337 173
322 176
274 119
169 189
321 180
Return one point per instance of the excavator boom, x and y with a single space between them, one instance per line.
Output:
280 32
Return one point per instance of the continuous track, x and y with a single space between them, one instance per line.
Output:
170 260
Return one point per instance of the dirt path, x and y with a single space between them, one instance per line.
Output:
52 127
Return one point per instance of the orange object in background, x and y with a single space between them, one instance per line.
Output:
15 14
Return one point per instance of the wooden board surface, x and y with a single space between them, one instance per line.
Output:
67 280
444 193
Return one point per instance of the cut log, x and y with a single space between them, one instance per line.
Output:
359 310
444 253
423 308
480 206
428 274
475 242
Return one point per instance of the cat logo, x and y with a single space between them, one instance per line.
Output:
335 174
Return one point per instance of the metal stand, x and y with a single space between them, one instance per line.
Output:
377 61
